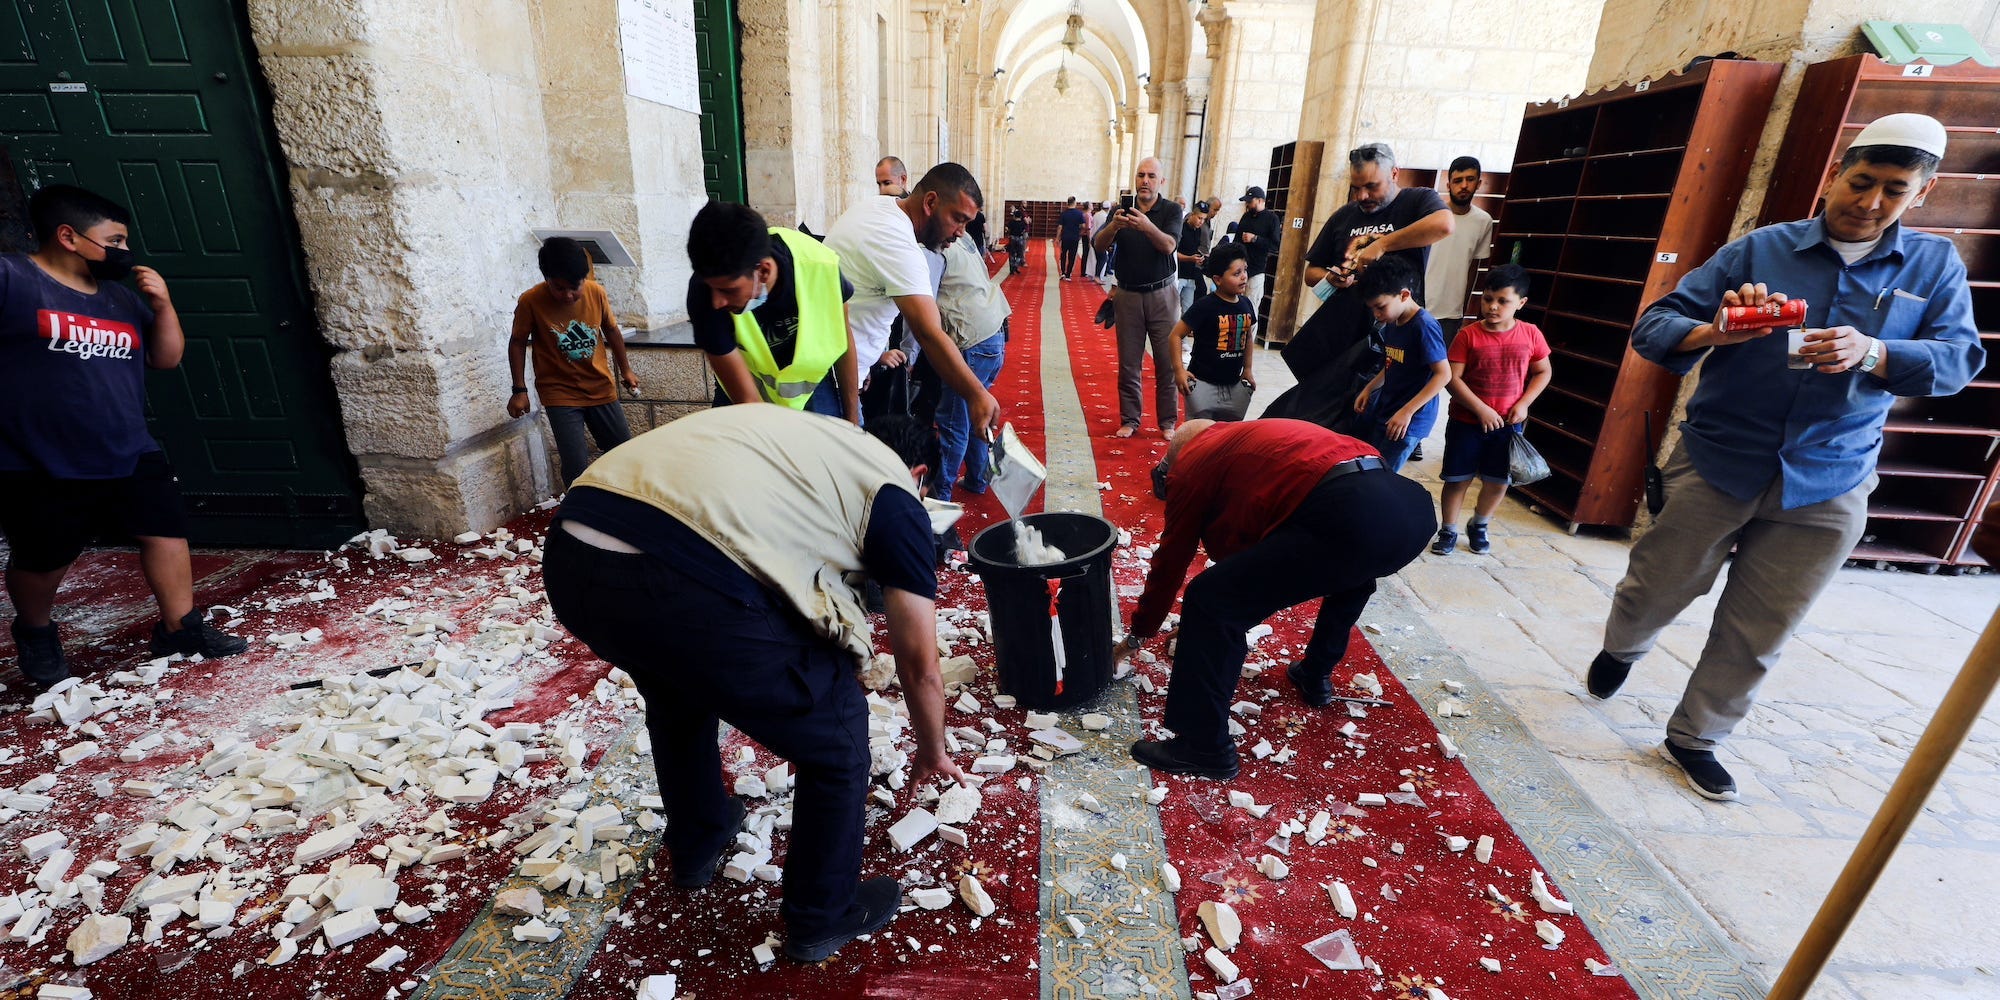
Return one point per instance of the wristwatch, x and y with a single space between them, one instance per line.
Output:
520 390
1872 358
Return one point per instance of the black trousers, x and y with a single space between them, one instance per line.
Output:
1069 252
1348 533
699 655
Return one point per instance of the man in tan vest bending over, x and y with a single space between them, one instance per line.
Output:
710 559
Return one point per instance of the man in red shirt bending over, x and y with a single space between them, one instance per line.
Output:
1289 511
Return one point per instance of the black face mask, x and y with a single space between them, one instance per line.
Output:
117 262
1160 480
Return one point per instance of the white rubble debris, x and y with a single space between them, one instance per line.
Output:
1170 877
912 829
389 959
1224 927
98 936
1220 964
1343 900
1483 851
958 804
1549 933
974 894
1095 721
662 987
1538 889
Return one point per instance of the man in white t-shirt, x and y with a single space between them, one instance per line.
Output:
1448 276
881 242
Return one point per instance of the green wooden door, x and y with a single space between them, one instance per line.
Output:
717 70
155 103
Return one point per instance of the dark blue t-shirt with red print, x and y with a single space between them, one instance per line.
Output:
72 375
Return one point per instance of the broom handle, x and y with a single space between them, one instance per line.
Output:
1941 739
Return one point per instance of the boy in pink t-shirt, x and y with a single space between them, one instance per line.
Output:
1498 368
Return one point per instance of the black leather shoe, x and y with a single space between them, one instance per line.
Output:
1607 675
1314 691
1704 774
695 878
40 654
195 636
874 906
1173 757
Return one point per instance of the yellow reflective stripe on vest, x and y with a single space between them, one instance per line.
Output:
822 336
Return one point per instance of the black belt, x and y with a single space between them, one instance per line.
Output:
1363 464
1153 287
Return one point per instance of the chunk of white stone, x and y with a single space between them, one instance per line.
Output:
1316 830
326 843
1548 932
1119 861
1095 721
1447 747
778 780
967 703
466 538
958 804
389 959
912 829
365 893
1456 844
1371 799
57 991
952 835
522 902
1156 795
661 987
1224 927
537 931
1273 867
1170 877
1490 964
286 950
1241 800
993 764
407 914
1343 900
1220 964
96 936
1263 749
1088 803
931 898
1041 720
1483 851
42 845
974 895
76 752
415 555
1539 889
345 928
751 786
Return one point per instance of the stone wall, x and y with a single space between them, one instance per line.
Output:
1256 97
422 146
1059 148
1436 79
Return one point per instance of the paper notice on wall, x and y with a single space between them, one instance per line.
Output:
658 40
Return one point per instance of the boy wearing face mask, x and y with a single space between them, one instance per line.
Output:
76 461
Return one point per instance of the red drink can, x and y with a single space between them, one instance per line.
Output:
1791 312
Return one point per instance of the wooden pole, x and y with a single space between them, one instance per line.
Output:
1947 730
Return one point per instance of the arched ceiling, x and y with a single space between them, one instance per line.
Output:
1114 19
1040 48
1083 67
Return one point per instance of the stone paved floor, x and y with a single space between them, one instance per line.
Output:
1833 727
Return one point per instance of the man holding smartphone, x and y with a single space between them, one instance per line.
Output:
1146 228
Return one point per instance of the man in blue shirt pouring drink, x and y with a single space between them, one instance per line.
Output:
1775 460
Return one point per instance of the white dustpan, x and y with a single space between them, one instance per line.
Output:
1016 472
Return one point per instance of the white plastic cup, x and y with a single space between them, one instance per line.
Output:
1795 345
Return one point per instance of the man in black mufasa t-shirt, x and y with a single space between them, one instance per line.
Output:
1146 304
1380 219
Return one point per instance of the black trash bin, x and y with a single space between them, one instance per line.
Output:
1018 599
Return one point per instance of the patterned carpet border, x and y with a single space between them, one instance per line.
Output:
1667 946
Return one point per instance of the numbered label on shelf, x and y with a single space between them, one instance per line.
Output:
1298 223
1918 69
1666 258
1644 85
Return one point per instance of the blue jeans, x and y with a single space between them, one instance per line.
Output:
1394 453
957 445
826 399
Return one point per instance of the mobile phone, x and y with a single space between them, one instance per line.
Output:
1126 202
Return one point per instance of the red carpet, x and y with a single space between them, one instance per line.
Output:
1445 920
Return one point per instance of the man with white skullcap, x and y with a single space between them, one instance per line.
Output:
1778 461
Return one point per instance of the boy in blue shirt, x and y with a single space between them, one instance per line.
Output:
1399 405
76 461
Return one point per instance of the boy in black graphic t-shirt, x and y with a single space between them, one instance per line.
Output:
76 460
1218 381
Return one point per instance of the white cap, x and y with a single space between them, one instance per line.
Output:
1905 129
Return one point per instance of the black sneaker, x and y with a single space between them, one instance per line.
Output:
1704 774
695 878
1314 691
1475 537
1607 675
874 906
1447 541
41 654
196 635
969 486
1173 757
1416 454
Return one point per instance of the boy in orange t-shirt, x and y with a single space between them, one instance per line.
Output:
567 321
